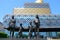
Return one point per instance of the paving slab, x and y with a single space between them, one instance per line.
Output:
21 39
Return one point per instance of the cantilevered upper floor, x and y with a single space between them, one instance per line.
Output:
34 8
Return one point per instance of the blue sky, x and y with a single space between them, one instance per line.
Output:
6 6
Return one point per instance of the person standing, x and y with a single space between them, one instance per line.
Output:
30 30
12 24
20 30
37 24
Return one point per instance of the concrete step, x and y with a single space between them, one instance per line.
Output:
21 39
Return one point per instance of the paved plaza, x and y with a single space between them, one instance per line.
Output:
20 39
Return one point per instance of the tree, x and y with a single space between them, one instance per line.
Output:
58 34
3 35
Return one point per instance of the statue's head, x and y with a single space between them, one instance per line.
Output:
30 23
12 16
37 17
21 24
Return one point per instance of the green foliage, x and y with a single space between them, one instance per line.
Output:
3 35
25 36
58 34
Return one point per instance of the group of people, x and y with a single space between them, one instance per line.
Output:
12 25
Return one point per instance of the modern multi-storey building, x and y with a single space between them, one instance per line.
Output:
27 14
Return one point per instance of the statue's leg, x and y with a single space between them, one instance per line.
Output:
29 35
37 28
37 32
20 35
10 32
13 33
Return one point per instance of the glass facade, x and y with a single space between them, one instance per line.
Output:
27 14
46 21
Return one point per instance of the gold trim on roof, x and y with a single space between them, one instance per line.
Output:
39 1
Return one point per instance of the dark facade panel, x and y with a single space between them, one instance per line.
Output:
40 29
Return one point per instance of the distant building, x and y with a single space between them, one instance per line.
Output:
1 27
